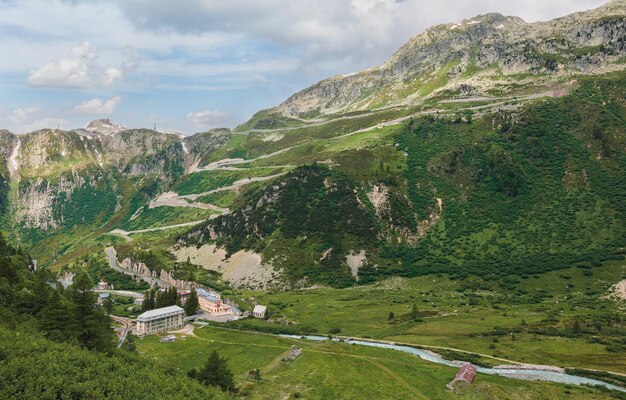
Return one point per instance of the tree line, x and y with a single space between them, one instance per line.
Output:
156 298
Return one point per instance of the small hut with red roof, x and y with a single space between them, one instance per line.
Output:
467 373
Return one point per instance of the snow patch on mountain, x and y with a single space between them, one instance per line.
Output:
13 160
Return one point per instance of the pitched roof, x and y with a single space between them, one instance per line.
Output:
466 373
259 309
160 313
212 296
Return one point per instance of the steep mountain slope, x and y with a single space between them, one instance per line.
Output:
6 144
484 56
510 192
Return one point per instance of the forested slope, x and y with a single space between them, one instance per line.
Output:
54 344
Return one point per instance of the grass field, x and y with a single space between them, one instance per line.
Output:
338 371
489 321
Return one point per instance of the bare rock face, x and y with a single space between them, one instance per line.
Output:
7 140
104 127
473 53
37 200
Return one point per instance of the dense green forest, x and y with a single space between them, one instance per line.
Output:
523 193
56 344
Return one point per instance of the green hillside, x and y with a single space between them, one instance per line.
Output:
55 345
522 191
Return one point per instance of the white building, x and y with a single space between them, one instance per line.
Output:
160 320
259 311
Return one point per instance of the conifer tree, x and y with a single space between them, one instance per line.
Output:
160 300
107 305
57 321
149 302
92 327
192 304
215 372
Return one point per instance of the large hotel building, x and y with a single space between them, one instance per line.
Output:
160 320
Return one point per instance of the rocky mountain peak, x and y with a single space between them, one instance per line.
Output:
485 53
104 126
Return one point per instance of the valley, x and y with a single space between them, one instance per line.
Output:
466 199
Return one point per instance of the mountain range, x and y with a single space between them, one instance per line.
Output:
492 147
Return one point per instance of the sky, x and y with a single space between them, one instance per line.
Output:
191 65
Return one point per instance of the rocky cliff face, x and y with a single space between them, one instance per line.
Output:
63 178
473 57
6 148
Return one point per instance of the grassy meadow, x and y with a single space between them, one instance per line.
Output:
337 370
489 320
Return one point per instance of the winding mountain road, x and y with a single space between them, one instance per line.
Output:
113 263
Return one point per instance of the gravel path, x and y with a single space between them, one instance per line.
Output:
126 234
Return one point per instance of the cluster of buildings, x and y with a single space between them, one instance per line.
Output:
171 318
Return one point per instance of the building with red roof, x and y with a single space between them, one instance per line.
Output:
467 373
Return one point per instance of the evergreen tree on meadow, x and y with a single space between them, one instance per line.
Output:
215 372
166 298
415 315
107 305
191 305
171 295
92 327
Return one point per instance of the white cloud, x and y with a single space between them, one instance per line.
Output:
255 53
209 118
335 35
32 118
79 69
23 114
98 106
45 123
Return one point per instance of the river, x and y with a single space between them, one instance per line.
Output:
523 374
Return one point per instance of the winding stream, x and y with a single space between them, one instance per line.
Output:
523 374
